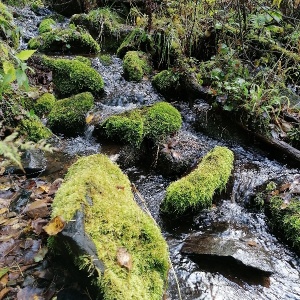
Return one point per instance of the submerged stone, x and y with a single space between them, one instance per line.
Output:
196 190
124 252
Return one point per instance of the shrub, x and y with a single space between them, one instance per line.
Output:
196 190
68 115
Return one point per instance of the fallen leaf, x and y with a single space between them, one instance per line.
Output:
3 271
119 187
37 225
4 292
41 254
2 170
251 243
37 208
89 119
3 210
124 258
55 186
284 187
55 226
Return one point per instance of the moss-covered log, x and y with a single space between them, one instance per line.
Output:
115 224
196 190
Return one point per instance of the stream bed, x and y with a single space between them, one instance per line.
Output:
272 270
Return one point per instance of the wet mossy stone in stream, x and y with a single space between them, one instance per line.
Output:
68 115
84 60
196 190
33 129
154 122
70 40
46 25
9 32
73 76
96 189
135 65
44 104
167 83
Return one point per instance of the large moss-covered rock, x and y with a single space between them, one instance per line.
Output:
104 25
71 40
72 76
33 129
68 115
118 231
46 25
44 104
8 30
135 65
155 122
196 190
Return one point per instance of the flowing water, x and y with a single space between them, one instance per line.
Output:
208 277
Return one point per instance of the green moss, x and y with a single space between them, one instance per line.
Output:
9 32
155 122
84 60
135 65
113 221
105 59
46 25
44 104
73 40
137 40
285 218
196 190
34 129
68 115
166 82
72 76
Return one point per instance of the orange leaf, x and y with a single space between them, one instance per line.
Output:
55 226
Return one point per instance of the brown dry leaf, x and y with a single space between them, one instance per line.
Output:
252 243
37 208
89 119
284 187
5 238
11 222
4 292
3 271
55 226
37 225
284 205
124 258
2 170
3 281
54 186
275 193
3 210
42 189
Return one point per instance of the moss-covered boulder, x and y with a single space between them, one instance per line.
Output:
72 77
105 25
70 40
8 30
196 190
167 82
135 65
68 115
155 122
44 104
33 129
84 60
132 253
136 40
46 25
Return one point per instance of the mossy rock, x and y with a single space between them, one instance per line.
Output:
155 122
136 40
46 25
167 82
68 115
71 40
44 104
33 129
115 224
72 77
285 218
196 190
135 65
84 60
8 30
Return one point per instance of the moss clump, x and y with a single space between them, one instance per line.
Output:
114 220
44 104
33 129
105 59
135 65
68 115
73 40
46 25
166 82
196 190
84 60
72 77
155 123
137 40
8 30
285 218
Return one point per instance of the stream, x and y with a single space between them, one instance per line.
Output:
229 222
